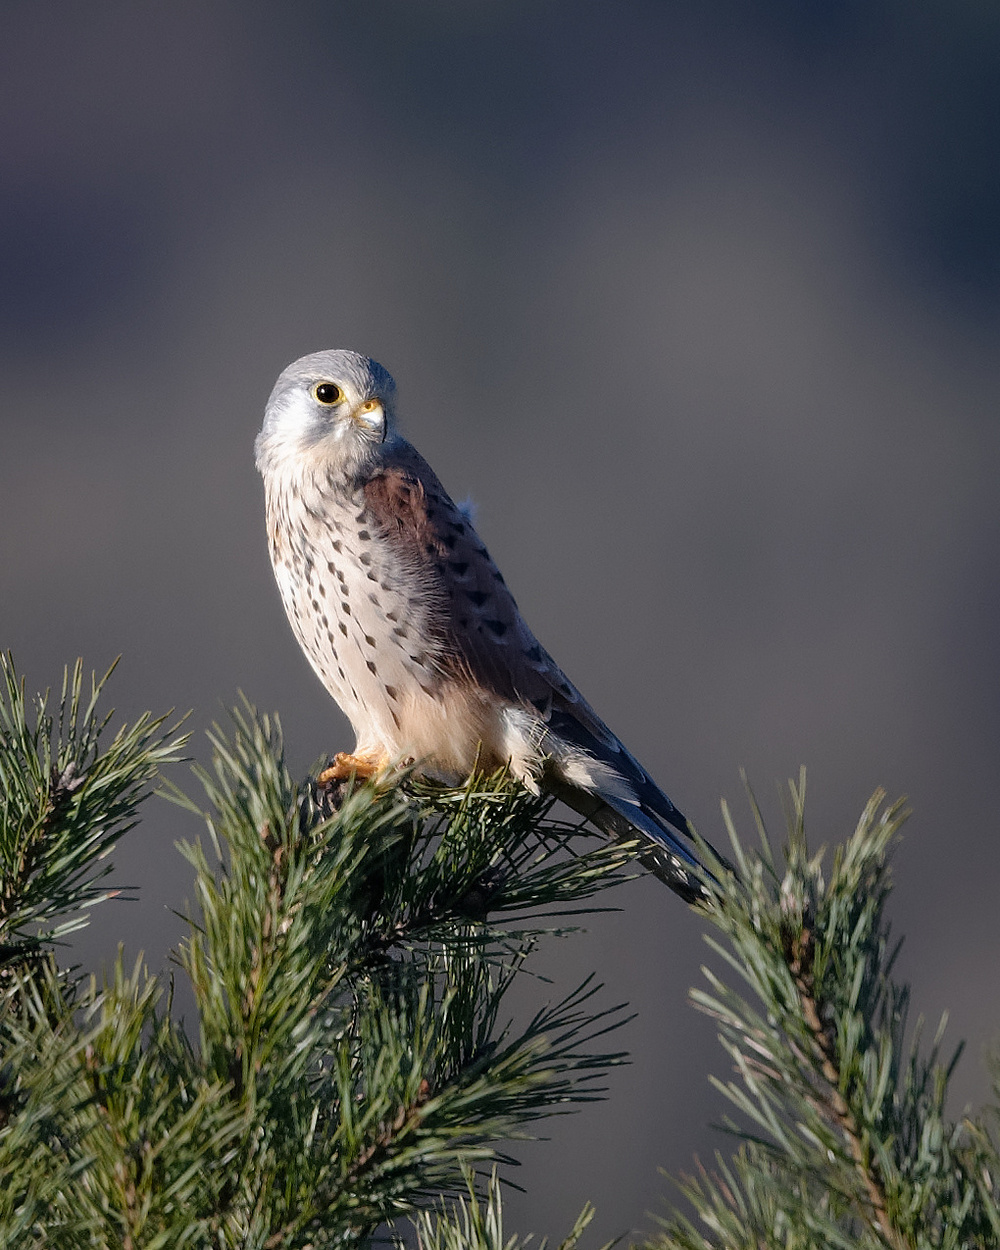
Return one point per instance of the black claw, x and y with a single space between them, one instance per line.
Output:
480 896
327 797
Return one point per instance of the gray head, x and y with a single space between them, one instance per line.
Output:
334 408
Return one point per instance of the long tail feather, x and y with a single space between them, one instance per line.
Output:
635 807
666 856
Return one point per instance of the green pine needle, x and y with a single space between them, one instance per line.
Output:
351 1054
841 1113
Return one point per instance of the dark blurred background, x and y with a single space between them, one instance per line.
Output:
699 303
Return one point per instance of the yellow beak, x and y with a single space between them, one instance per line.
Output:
371 415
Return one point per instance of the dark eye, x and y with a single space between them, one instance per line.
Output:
328 392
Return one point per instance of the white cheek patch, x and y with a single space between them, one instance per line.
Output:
296 423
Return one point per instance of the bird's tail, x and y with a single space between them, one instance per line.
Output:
592 772
664 854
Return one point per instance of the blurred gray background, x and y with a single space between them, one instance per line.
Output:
699 303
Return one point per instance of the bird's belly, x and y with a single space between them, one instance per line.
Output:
366 620
391 689
365 631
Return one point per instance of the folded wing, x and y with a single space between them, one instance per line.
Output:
486 640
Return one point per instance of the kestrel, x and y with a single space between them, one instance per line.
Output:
410 626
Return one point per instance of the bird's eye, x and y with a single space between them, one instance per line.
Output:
328 392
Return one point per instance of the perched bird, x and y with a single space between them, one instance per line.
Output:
409 625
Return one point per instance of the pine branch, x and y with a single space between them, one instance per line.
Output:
66 796
849 1145
362 948
349 969
474 1222
829 1100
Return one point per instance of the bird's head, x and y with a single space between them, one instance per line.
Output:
333 408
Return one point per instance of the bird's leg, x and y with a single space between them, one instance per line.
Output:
345 766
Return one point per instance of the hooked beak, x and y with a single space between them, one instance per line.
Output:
370 415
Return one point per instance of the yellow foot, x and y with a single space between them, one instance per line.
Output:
345 766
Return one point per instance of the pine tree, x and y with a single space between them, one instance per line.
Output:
845 1140
351 1065
349 967
840 1114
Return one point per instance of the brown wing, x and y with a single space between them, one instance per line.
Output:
486 641
482 631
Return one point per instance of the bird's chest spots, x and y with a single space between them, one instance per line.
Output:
358 607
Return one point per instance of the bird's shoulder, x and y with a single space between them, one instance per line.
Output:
410 507
408 503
